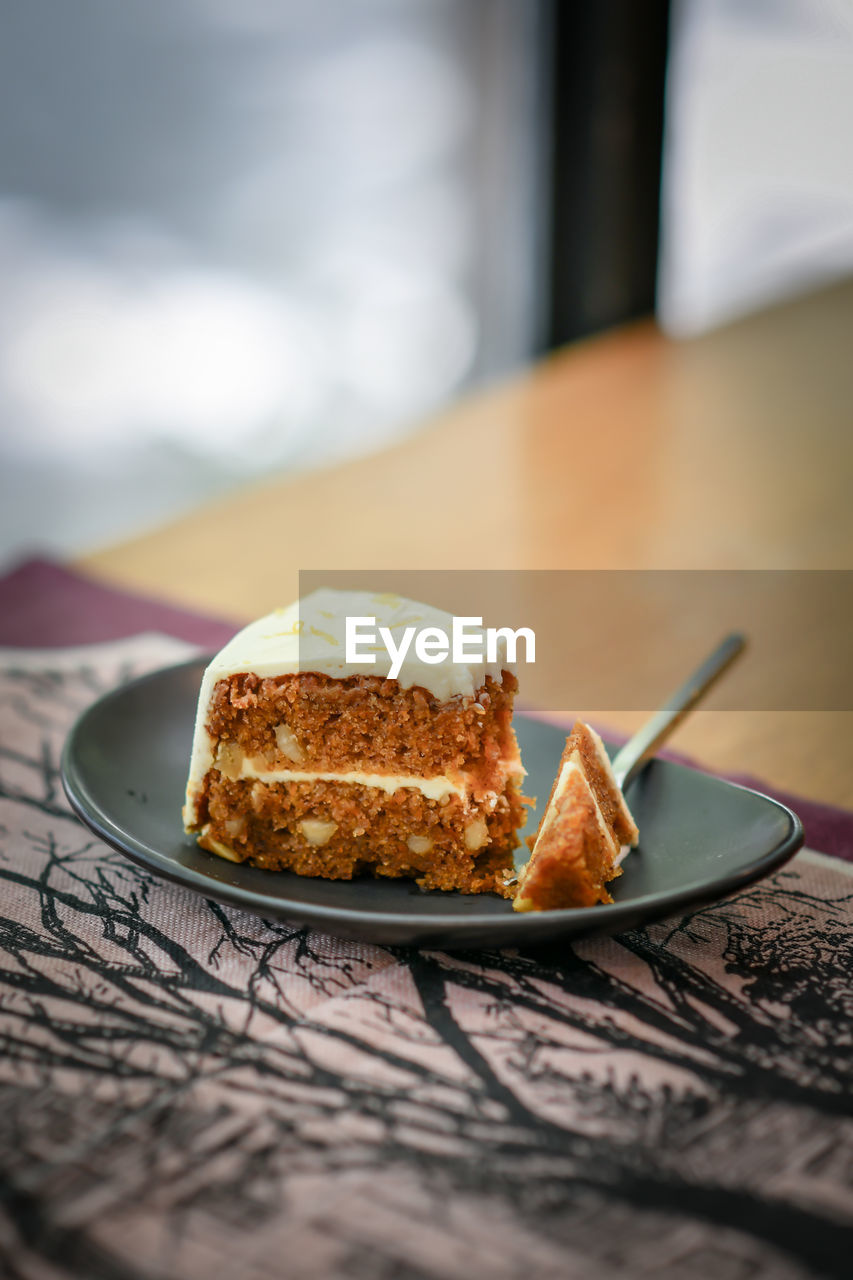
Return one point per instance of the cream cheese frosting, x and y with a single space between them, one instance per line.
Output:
310 636
435 788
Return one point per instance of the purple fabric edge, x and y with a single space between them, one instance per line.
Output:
43 604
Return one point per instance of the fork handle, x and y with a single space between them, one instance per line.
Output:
639 749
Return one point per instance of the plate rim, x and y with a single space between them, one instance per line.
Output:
605 917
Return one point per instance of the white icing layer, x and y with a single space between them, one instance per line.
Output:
433 788
310 636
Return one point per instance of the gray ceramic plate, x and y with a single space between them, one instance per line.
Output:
124 769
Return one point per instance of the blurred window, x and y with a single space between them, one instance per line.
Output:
236 236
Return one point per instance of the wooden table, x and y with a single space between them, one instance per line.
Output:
629 450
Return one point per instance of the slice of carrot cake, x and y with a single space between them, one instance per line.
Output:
578 845
306 762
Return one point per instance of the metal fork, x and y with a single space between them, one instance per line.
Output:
638 750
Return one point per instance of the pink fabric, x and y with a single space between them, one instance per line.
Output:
189 1091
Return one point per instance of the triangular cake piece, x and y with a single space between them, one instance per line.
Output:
577 848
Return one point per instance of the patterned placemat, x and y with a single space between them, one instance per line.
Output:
190 1091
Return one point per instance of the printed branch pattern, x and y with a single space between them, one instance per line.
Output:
187 1090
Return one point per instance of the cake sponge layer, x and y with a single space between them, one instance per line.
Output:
364 722
338 831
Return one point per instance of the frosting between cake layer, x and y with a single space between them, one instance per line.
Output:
435 788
